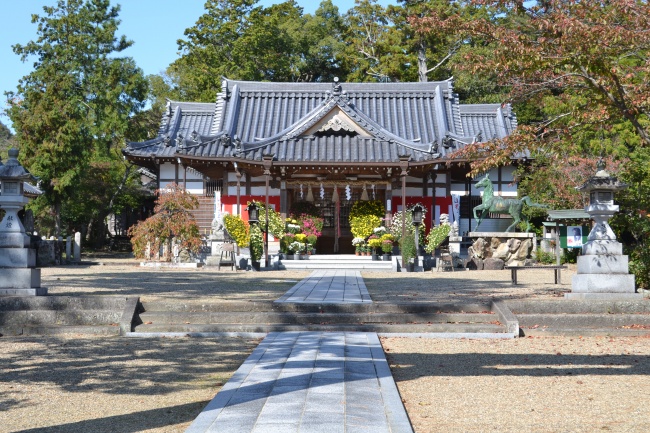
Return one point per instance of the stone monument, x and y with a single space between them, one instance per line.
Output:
602 268
18 276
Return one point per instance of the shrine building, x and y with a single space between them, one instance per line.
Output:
329 143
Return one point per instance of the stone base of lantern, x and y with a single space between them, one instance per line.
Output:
17 258
20 278
602 273
37 291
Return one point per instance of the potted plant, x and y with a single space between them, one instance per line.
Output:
386 246
374 243
358 244
297 248
407 245
311 244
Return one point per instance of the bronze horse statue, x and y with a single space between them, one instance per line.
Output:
496 204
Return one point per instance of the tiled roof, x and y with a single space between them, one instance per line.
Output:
249 119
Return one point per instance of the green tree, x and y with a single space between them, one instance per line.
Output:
6 139
75 108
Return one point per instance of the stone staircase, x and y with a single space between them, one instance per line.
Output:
577 317
338 261
51 315
263 317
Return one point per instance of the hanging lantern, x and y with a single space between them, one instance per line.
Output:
335 195
310 195
364 193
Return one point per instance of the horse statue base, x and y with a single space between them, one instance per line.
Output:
501 249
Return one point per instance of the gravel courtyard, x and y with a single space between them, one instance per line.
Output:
542 384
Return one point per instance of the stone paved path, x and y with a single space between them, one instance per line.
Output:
330 287
311 382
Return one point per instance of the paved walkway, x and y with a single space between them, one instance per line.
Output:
329 286
309 382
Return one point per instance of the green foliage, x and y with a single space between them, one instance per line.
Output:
436 237
285 241
407 247
172 220
545 257
256 242
362 226
238 229
387 245
395 228
311 240
74 109
276 225
367 207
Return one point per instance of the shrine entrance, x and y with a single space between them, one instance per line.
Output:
336 237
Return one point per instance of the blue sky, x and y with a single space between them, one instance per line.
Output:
153 25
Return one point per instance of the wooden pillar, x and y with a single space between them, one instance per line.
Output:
268 162
403 163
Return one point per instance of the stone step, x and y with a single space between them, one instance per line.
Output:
174 318
308 264
95 315
381 328
59 317
586 321
14 303
269 306
565 306
103 330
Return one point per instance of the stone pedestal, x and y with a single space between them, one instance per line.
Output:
603 273
17 260
512 249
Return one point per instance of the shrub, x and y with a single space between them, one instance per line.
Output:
238 229
545 257
387 246
276 225
363 226
172 220
311 239
256 243
285 241
407 246
436 236
369 207
311 225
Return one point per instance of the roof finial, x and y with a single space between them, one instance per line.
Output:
336 87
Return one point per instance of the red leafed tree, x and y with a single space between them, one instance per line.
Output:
172 220
584 63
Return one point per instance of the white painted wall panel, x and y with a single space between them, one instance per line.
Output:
167 170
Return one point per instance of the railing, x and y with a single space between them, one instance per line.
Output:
213 185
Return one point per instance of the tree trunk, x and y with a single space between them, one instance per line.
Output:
56 210
422 62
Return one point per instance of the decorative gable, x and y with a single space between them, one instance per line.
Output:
336 123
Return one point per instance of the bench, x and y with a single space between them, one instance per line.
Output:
556 268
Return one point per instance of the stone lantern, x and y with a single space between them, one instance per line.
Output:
17 261
602 268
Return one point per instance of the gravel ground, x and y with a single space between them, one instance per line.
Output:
545 384
123 276
82 385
